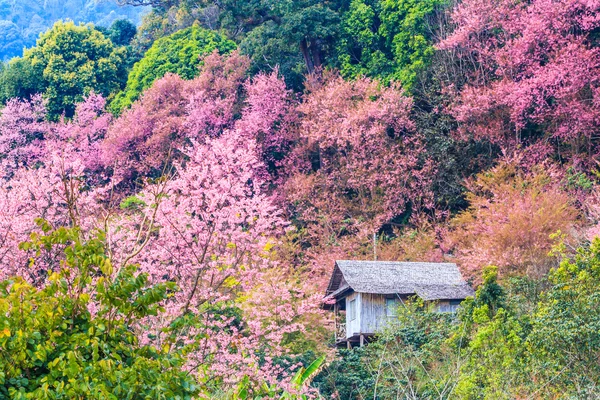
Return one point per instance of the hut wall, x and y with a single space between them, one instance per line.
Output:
373 313
353 325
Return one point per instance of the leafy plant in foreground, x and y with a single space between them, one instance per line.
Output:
74 337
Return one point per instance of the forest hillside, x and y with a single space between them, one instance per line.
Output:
22 21
181 178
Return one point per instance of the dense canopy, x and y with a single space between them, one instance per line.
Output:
175 192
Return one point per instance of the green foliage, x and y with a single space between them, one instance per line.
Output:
53 347
490 294
301 379
73 61
266 50
304 375
566 327
388 39
157 24
68 62
577 180
349 375
133 203
21 22
18 79
361 50
122 32
414 354
179 53
297 36
497 358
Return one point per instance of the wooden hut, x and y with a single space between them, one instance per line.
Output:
364 295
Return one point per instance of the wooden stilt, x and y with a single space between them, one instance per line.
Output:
362 340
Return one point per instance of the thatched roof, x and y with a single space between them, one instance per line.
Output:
429 281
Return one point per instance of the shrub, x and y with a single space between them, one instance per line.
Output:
74 337
511 216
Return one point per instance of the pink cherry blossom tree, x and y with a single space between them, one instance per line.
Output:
535 72
172 113
23 129
46 174
211 228
269 117
360 162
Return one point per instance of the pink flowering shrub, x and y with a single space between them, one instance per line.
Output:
46 173
269 117
511 216
212 230
143 138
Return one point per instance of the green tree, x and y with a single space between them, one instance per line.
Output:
348 376
68 62
179 53
18 79
296 36
53 347
361 49
295 32
565 337
122 32
388 39
73 61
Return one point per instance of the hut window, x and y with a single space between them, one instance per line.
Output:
352 310
454 304
449 306
391 307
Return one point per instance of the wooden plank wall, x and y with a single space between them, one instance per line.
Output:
373 315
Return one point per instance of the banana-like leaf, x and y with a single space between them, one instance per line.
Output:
305 374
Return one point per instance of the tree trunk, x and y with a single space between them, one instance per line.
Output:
316 55
310 67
